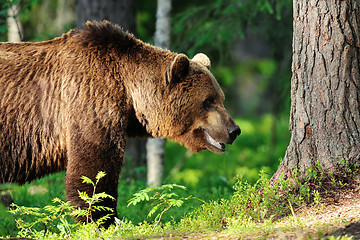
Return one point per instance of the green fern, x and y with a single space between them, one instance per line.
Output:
50 218
162 197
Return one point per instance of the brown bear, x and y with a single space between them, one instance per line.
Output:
69 104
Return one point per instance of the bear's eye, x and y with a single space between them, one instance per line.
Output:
208 103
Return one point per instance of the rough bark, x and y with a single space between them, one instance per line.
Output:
155 148
117 11
325 96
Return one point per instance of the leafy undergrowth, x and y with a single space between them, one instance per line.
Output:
298 209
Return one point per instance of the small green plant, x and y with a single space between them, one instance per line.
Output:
343 164
312 173
295 218
55 219
47 219
351 169
162 197
333 181
356 165
92 200
317 197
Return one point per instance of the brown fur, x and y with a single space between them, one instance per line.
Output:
69 103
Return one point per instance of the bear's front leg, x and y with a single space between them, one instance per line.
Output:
86 157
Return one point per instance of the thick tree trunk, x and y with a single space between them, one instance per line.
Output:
155 147
325 93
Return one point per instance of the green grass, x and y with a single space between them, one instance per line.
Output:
250 211
207 176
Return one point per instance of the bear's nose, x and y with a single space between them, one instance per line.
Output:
234 131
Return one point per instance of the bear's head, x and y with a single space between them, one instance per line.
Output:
188 108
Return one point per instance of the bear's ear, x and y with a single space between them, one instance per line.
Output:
203 59
179 67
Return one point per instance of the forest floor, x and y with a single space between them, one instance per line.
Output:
331 219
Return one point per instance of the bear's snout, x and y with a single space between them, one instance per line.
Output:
233 132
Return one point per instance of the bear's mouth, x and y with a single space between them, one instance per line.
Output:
214 145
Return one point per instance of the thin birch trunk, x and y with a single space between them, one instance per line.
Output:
15 31
155 147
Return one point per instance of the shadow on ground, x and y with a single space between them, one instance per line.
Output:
353 229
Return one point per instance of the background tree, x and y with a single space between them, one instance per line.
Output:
15 32
121 12
155 147
325 93
44 20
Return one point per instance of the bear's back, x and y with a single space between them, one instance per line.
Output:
29 142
